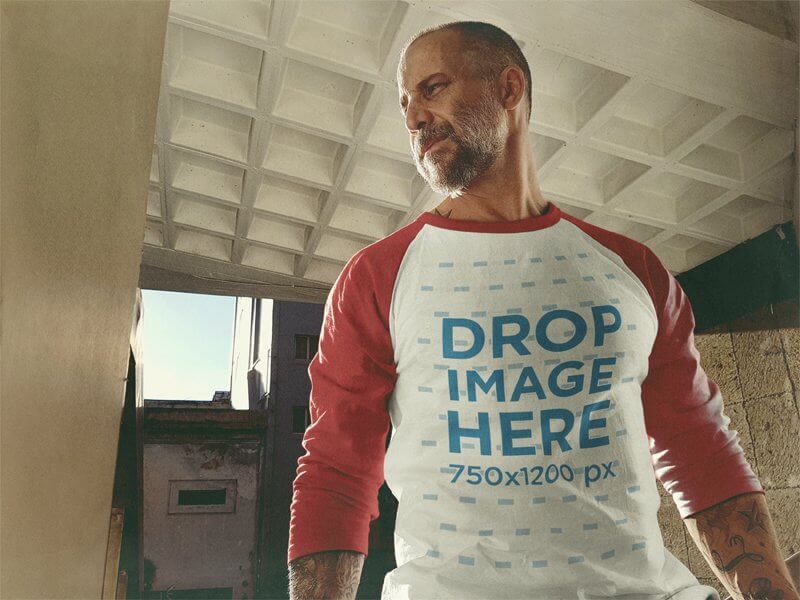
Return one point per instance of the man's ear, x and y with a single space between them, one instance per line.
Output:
512 83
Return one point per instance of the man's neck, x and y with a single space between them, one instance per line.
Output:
503 205
508 191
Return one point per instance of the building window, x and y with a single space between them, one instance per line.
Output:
202 496
301 418
305 346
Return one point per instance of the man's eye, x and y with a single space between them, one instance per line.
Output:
434 85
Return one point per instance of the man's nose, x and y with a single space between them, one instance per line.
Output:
417 116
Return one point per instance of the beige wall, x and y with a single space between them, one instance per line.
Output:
756 362
79 95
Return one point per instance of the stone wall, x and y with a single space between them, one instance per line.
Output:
756 362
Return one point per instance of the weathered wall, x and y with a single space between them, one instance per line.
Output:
78 105
756 362
189 551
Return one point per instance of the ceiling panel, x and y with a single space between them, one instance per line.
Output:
279 150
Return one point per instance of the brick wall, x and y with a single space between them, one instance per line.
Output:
756 362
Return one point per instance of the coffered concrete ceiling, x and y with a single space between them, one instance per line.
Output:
279 149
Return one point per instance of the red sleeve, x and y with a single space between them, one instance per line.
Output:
335 492
695 456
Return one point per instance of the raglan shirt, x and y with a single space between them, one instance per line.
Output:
536 377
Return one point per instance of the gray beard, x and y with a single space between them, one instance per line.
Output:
477 148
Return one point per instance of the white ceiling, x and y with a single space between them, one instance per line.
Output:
280 151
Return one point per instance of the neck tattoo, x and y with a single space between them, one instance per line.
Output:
446 215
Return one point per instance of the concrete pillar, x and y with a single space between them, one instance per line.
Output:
78 102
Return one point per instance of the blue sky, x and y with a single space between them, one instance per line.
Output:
187 344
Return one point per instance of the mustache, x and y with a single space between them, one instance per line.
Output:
431 136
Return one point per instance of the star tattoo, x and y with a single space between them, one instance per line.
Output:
754 518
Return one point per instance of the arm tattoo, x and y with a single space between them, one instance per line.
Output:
331 575
738 540
754 518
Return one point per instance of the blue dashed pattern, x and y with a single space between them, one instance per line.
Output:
470 448
538 564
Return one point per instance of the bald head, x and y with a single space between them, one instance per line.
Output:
473 47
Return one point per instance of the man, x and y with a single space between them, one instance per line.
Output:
537 373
